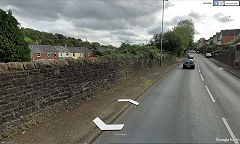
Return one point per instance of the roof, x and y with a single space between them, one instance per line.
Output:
79 50
42 48
230 32
86 50
61 49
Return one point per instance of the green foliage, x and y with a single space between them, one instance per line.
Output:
178 40
126 50
44 38
28 40
13 47
98 53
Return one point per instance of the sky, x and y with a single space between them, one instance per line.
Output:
111 22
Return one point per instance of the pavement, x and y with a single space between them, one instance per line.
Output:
184 106
75 125
234 70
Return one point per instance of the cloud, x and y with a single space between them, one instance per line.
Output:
87 18
158 29
196 16
222 18
125 33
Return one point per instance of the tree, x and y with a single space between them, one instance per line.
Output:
13 47
178 40
185 31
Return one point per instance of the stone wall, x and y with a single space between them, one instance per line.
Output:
30 92
229 56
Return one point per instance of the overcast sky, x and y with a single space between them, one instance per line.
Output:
115 21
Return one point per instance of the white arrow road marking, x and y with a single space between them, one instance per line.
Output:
103 126
210 94
128 100
230 131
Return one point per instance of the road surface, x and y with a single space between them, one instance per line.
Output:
185 106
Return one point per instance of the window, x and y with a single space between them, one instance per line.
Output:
55 55
74 54
38 54
61 54
66 54
49 54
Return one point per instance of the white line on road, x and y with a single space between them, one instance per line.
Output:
230 131
198 67
201 77
199 70
213 100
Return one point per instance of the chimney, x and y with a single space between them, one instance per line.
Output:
65 44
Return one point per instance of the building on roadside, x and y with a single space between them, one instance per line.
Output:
43 52
87 52
76 52
209 40
63 52
228 35
214 39
80 52
201 42
218 35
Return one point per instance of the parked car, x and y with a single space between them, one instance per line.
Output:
189 63
190 56
208 55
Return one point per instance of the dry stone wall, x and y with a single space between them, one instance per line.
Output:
32 91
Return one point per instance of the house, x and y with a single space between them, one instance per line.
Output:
76 52
214 39
49 52
87 52
63 52
43 52
218 35
210 40
82 52
201 42
228 35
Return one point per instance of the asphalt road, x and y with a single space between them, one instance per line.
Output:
183 107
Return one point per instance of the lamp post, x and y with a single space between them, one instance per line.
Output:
162 34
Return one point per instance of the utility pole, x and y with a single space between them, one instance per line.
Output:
234 37
162 34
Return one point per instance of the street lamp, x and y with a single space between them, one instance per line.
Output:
162 33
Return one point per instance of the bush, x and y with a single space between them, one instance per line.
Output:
13 47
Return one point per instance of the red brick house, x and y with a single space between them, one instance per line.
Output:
228 35
87 52
43 52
